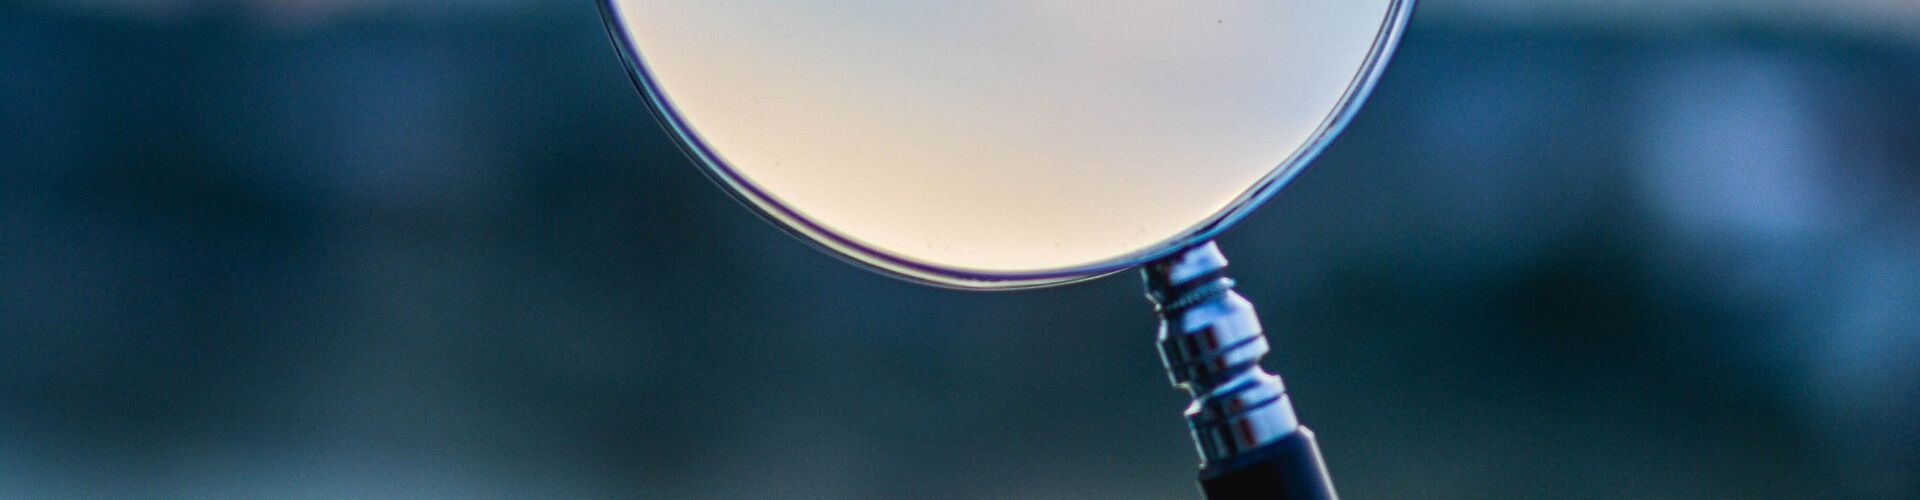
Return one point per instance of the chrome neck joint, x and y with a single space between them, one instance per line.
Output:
1211 342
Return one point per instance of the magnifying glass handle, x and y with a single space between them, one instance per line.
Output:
1290 468
1251 443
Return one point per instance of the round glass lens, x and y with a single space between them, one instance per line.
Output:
987 143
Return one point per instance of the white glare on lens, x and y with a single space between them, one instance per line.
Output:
1003 137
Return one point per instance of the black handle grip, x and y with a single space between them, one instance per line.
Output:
1288 469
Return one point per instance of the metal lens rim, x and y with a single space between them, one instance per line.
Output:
946 277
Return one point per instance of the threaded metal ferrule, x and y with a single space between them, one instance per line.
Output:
1211 342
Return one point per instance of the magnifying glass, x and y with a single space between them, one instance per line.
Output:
1010 144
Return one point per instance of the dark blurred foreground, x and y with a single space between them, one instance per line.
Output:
417 255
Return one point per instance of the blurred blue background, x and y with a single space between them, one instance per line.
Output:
337 248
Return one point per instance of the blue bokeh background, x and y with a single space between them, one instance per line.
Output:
368 248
